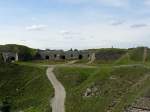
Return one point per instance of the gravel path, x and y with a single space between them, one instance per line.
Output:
60 93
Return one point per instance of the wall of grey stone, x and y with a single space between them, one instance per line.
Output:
9 56
51 54
109 55
85 55
61 55
71 55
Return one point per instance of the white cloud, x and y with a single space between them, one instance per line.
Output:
139 25
67 34
36 27
117 22
78 36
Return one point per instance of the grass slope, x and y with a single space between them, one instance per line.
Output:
108 55
134 55
41 62
118 87
27 88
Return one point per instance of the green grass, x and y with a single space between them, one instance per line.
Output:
41 62
124 60
73 76
130 56
136 54
116 86
108 55
82 61
26 87
103 62
50 62
148 55
133 93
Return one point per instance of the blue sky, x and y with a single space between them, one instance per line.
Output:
82 24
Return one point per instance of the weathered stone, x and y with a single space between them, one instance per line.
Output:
62 55
140 105
10 56
91 91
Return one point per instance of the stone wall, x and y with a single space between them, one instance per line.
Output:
9 56
109 54
72 55
62 55
51 54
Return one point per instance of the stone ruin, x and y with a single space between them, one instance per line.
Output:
66 55
92 91
62 55
9 56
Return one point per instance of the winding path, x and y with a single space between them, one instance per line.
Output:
60 93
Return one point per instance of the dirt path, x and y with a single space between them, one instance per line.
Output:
72 62
60 93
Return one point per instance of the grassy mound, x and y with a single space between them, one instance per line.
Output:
134 55
117 87
25 88
74 76
42 62
25 53
108 55
148 55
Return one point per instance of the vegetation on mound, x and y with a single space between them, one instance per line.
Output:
148 55
73 76
108 55
136 54
25 88
125 59
109 50
40 62
116 86
82 61
25 53
122 56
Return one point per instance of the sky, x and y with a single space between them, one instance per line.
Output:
81 24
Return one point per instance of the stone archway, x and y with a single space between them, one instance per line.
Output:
63 57
80 56
12 58
47 57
